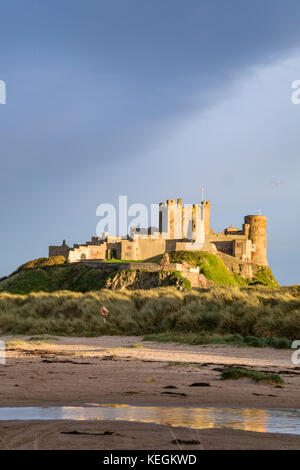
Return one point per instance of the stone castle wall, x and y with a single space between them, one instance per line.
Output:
181 228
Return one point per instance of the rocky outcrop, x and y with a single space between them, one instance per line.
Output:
199 280
149 280
143 280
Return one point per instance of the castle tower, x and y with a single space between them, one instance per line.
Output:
179 222
258 236
170 219
206 217
194 222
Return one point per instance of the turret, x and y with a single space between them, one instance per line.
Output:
206 217
258 236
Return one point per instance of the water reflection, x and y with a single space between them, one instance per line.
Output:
259 420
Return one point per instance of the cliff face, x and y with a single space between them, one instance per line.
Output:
150 280
143 280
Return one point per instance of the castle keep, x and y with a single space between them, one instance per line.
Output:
181 228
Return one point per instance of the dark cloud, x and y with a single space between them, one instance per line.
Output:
94 86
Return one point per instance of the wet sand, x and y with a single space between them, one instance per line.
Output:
76 371
95 435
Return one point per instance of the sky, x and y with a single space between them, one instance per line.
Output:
153 100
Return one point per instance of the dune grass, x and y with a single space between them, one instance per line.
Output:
235 373
19 344
219 339
254 316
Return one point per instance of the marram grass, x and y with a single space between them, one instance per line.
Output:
253 315
235 373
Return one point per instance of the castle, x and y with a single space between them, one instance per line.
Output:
180 228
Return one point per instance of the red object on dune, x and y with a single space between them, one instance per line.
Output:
104 311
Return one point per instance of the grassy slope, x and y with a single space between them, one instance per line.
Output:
53 278
210 265
264 276
215 269
78 278
43 262
53 274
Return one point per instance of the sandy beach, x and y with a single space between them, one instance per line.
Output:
126 370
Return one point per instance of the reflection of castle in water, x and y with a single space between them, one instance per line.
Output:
196 418
203 418
277 421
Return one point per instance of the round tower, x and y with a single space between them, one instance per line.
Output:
258 236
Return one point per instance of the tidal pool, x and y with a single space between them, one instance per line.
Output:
247 419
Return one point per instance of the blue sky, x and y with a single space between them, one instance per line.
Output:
151 99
